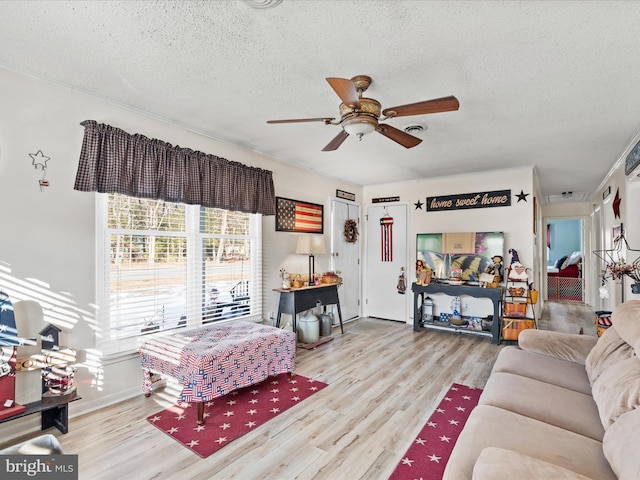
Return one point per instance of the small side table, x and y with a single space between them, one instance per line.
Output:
296 300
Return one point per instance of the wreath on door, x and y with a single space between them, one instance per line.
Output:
351 231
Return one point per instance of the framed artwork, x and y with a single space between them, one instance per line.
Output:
632 160
617 230
298 216
440 253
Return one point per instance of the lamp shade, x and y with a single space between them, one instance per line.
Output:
310 245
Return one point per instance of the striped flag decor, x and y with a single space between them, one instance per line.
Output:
295 216
386 232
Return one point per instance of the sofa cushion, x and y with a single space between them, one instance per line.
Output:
626 319
501 464
617 390
620 446
564 408
565 346
610 349
547 369
489 426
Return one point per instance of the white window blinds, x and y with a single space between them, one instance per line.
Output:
167 266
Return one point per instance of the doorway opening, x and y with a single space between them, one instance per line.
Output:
565 254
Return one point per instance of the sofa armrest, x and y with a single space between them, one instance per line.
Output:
565 346
500 464
45 444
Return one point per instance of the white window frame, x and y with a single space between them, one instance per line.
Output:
111 346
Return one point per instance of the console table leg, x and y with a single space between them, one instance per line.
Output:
340 316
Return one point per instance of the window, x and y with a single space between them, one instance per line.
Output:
165 266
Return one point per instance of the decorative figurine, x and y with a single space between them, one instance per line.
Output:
423 273
402 282
496 268
456 309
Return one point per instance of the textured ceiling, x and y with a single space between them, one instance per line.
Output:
550 84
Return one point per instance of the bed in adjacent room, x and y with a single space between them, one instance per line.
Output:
564 279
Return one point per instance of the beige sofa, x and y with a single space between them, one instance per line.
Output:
45 444
558 406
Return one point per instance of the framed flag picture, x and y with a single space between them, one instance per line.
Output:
297 216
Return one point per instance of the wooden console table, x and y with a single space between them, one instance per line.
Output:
296 300
494 294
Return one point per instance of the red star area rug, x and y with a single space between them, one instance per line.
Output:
428 454
231 416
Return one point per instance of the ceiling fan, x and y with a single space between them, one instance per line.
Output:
360 115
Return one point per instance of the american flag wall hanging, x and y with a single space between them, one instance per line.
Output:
297 216
386 232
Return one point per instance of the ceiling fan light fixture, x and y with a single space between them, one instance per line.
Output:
359 125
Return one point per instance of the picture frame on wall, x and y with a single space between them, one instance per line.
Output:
616 231
298 216
632 160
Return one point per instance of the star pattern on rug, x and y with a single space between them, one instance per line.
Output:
428 454
230 418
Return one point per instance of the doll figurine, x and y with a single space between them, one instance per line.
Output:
495 268
423 273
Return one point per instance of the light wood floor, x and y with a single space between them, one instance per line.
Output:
384 382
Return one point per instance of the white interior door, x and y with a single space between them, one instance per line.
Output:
345 257
386 256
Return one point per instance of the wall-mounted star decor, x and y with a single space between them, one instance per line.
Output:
522 196
616 204
418 205
39 161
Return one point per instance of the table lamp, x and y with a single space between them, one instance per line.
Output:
310 245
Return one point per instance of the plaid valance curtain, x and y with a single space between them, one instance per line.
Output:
114 161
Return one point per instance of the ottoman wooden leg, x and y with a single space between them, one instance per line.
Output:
200 412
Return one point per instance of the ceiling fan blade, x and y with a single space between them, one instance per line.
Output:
346 90
336 142
297 120
398 136
437 105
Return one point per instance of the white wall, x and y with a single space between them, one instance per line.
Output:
516 221
628 188
47 242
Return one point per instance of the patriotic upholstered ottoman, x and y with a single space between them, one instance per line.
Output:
213 360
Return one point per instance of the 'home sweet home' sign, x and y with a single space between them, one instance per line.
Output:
497 198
